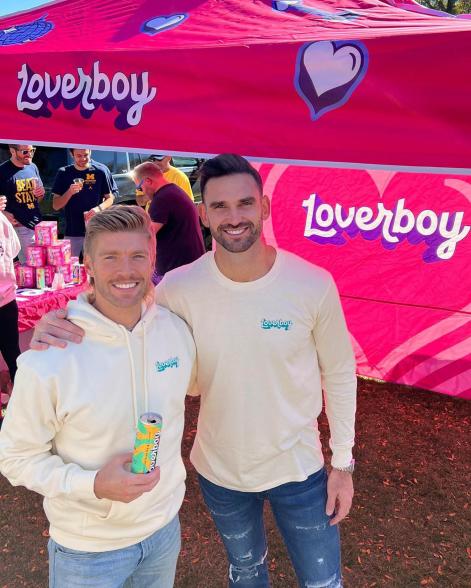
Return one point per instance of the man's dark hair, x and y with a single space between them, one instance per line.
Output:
13 146
72 149
227 164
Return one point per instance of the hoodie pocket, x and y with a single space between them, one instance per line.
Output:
71 516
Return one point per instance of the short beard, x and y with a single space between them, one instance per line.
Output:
237 246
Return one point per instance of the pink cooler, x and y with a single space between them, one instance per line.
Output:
36 256
60 253
25 276
45 233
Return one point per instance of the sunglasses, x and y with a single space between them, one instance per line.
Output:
26 151
139 186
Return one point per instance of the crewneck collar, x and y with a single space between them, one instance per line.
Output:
253 284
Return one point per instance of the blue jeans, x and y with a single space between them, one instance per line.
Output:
148 564
299 510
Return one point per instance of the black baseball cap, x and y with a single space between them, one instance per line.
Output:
156 157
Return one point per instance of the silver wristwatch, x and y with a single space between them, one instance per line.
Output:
349 468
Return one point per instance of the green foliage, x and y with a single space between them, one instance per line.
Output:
450 6
463 7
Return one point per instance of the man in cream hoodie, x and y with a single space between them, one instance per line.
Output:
71 422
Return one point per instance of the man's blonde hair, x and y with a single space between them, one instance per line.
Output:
148 169
119 219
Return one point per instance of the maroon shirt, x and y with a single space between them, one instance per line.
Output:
180 240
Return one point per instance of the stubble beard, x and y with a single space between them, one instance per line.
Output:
107 294
234 246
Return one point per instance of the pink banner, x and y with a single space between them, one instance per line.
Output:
339 82
399 247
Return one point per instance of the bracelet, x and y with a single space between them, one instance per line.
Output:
100 208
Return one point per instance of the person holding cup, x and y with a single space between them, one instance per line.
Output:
20 182
82 189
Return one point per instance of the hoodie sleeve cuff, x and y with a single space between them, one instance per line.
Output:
83 483
341 458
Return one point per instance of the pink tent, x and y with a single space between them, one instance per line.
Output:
399 247
344 82
334 84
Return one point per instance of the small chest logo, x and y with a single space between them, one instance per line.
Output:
279 324
171 362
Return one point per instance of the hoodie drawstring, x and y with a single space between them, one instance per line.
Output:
144 355
133 374
133 379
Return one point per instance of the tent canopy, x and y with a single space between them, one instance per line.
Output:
349 83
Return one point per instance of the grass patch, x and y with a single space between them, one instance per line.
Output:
410 523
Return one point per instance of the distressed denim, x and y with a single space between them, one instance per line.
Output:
148 564
299 511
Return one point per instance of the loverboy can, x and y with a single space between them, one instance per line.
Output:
146 446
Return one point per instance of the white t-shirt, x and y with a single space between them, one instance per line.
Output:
262 349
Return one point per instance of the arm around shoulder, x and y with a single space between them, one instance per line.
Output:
56 330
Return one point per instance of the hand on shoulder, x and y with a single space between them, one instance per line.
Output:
54 329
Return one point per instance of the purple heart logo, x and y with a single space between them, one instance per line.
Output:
158 24
327 73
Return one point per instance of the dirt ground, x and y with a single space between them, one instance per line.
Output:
410 524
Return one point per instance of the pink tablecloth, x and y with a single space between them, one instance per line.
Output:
32 307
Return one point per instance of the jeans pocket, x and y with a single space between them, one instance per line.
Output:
72 553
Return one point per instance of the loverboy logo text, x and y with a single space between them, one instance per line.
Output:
171 362
326 223
127 93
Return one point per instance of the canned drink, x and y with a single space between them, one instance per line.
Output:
146 446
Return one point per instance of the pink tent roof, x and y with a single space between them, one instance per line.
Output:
351 83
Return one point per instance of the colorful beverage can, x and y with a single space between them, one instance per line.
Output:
146 446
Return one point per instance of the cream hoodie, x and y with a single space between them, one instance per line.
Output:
73 409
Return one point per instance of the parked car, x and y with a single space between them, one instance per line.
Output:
121 164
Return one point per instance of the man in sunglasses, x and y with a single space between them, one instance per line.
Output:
21 184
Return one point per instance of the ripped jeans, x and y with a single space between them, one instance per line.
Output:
299 511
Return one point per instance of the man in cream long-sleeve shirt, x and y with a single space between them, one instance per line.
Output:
270 335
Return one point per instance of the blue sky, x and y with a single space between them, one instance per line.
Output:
11 6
